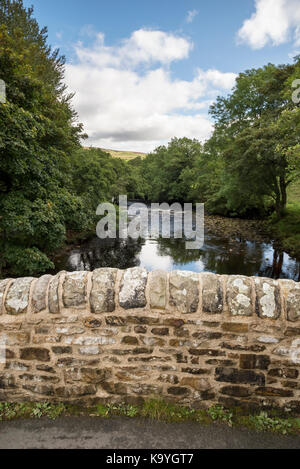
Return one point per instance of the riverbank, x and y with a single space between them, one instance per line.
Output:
286 231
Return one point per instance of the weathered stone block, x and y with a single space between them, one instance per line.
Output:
17 338
17 366
62 350
158 289
133 286
166 378
87 375
103 290
142 320
45 368
7 381
39 293
195 371
92 323
209 352
3 286
178 391
184 291
273 392
177 323
114 388
267 339
212 294
129 340
75 391
39 378
74 290
43 389
90 350
116 321
131 374
160 331
199 384
152 341
291 293
249 361
232 375
53 299
181 332
289 373
236 391
239 296
235 327
292 331
145 389
40 354
70 361
267 298
17 297
207 335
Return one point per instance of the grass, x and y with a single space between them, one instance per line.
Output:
157 410
124 155
287 229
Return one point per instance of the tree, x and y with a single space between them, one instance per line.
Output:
256 130
38 133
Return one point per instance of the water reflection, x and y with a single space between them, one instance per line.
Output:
219 255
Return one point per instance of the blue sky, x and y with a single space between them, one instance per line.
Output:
146 71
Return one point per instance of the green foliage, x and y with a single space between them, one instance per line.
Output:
122 409
38 134
157 410
10 410
287 228
218 413
164 175
257 136
165 411
263 422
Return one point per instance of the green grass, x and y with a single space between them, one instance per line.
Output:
157 410
294 193
124 155
287 229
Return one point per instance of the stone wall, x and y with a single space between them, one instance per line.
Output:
112 335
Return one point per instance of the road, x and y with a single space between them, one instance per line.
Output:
123 433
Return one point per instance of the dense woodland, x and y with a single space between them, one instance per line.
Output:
50 185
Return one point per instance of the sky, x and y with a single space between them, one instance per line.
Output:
146 71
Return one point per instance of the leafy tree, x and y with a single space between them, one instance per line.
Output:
38 133
255 137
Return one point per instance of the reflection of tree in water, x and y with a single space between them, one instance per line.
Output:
98 253
230 256
222 255
175 248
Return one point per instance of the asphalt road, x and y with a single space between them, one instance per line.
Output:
123 433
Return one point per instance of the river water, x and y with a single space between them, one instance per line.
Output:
220 254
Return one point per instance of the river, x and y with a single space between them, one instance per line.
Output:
221 254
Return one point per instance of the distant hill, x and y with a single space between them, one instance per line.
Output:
125 155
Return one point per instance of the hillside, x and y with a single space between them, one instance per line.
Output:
124 155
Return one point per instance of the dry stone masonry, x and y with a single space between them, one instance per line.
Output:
112 335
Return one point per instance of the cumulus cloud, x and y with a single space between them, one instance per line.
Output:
127 97
191 15
274 22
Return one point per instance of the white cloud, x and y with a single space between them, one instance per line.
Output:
143 46
274 22
124 105
191 15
